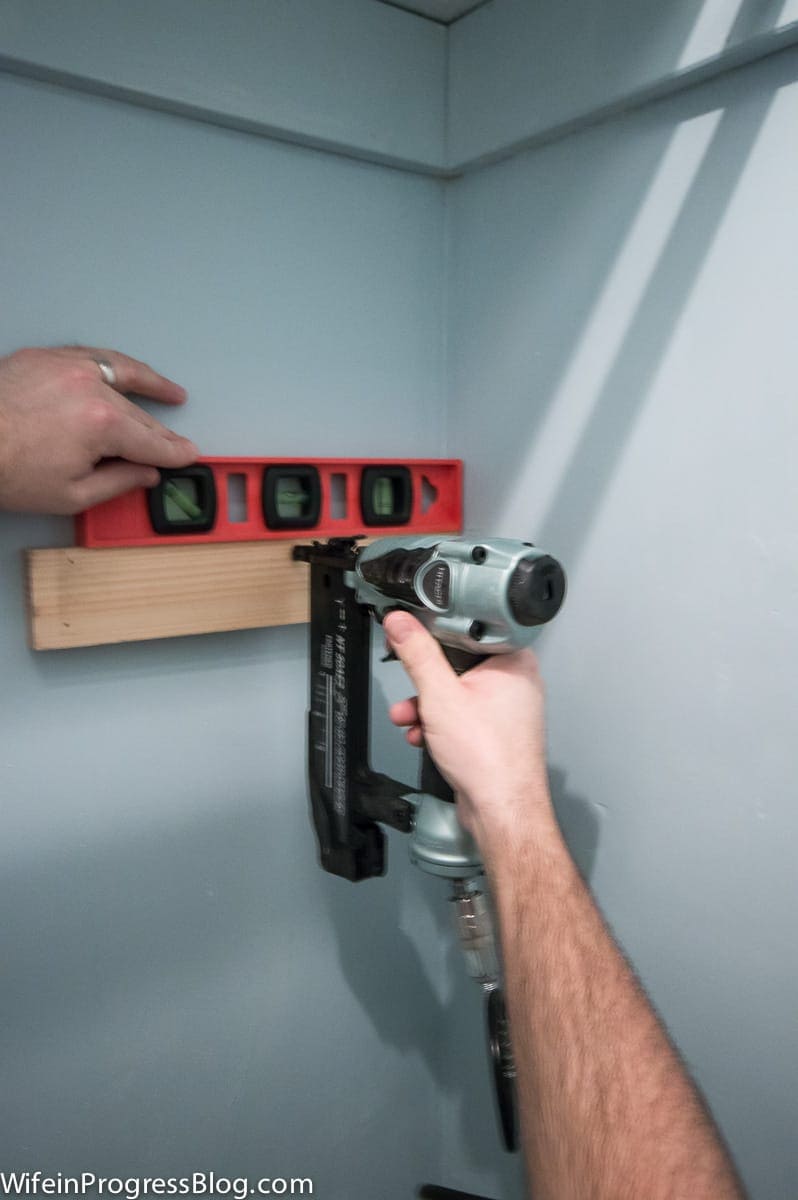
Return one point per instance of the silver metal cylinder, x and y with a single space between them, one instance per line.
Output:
439 844
474 923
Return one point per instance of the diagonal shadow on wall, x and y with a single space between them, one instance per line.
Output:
591 466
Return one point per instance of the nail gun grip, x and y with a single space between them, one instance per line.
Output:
462 660
432 782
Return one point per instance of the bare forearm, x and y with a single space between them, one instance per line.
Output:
607 1110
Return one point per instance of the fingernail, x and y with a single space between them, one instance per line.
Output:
398 626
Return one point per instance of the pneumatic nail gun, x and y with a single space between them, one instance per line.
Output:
477 596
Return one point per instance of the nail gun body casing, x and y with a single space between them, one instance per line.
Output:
347 798
476 596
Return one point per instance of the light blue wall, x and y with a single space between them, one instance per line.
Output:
183 988
371 80
622 387
518 70
367 79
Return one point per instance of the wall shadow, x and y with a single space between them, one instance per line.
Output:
402 1004
590 469
551 279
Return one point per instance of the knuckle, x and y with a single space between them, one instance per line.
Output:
98 415
168 450
79 375
527 660
76 499
184 453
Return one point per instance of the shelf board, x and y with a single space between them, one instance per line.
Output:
80 597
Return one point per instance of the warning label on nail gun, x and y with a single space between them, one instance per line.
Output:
330 714
322 709
340 713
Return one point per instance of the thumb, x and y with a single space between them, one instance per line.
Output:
420 655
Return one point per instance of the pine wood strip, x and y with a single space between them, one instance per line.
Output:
79 597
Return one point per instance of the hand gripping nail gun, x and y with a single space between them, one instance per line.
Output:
477 596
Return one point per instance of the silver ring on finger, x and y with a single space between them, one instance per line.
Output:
107 371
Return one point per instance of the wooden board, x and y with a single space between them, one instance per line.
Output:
79 597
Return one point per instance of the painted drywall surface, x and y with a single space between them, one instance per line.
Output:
374 81
517 69
363 77
183 989
622 385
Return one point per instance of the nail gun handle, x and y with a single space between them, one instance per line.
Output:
432 782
